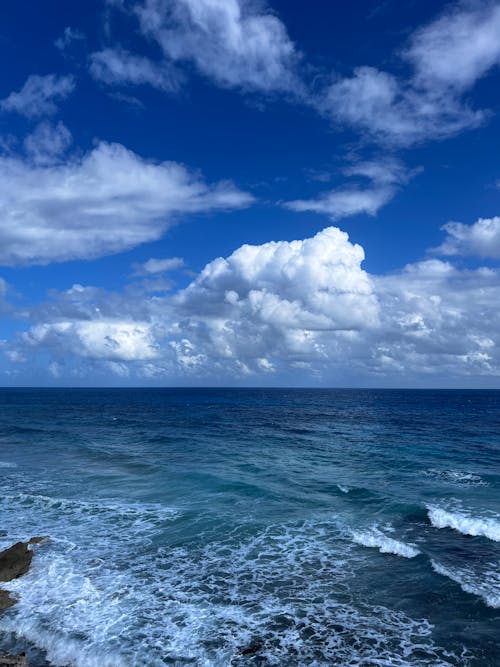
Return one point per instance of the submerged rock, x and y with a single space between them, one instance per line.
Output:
6 600
8 660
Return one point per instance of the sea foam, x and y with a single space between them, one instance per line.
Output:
465 523
488 589
386 545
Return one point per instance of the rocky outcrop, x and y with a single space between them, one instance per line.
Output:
16 560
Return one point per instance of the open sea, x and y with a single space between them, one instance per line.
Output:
232 527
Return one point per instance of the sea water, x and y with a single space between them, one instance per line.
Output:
253 527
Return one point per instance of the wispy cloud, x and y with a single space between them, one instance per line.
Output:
39 95
118 67
384 177
236 44
448 56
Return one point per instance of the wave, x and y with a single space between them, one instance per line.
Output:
488 589
207 604
7 464
464 523
386 545
457 477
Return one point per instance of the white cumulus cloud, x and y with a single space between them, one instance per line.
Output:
111 340
481 239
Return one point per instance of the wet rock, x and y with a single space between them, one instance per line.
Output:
15 561
6 600
37 540
8 660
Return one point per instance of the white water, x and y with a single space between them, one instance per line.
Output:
386 545
487 589
465 523
97 597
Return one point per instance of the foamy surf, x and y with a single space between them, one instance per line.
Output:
204 605
487 589
386 545
465 523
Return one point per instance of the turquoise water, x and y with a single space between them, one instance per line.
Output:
254 527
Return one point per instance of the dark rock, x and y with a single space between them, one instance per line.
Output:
15 561
6 600
37 540
8 660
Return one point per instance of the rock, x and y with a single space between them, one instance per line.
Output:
6 600
8 660
37 540
15 561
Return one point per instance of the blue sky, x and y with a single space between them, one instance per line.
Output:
235 192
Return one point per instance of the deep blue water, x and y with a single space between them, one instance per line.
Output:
254 527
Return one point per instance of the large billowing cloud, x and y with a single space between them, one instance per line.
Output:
284 310
448 56
105 202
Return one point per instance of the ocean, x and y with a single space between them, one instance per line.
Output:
234 527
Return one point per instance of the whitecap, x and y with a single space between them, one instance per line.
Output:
488 588
465 523
458 477
7 464
386 545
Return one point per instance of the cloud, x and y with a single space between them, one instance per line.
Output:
447 56
385 178
303 311
39 95
458 48
48 143
232 42
482 239
111 340
105 202
392 112
437 321
154 266
118 67
69 36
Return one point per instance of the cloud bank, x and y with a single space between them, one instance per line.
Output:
282 310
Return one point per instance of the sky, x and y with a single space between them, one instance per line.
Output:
250 193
